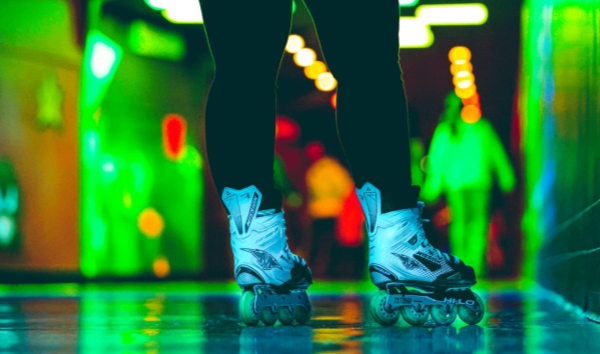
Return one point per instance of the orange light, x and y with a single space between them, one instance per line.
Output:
467 92
456 68
151 223
473 100
334 100
471 114
161 267
459 55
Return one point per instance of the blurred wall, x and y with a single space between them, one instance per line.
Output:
39 92
559 110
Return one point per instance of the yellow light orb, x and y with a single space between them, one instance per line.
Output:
459 55
313 71
161 267
457 80
466 93
305 57
462 74
326 82
464 84
471 114
151 223
294 44
456 68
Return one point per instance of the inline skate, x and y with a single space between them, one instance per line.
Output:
273 279
415 280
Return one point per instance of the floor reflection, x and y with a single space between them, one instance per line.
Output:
113 320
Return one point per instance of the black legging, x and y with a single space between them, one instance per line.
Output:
247 41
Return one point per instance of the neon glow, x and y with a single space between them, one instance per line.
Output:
407 3
294 44
103 59
147 40
174 128
452 15
415 32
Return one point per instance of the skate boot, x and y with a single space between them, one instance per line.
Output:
273 279
415 279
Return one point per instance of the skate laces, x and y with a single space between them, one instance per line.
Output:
281 223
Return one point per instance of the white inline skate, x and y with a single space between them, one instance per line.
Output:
273 279
415 279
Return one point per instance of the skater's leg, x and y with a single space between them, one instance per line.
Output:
360 43
247 41
457 227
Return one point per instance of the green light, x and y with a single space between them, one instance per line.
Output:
407 3
157 4
414 33
452 15
183 11
103 59
147 40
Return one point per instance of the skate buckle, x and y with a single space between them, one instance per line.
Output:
266 296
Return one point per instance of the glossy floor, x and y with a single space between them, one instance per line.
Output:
202 318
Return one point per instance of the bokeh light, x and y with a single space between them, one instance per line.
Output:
473 100
326 82
459 55
464 84
174 134
103 59
334 100
313 71
151 223
456 68
294 44
305 57
458 79
471 114
161 267
466 93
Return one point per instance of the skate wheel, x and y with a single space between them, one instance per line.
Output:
415 317
268 316
286 315
380 314
246 308
303 315
469 316
443 314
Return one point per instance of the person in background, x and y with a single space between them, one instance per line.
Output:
464 160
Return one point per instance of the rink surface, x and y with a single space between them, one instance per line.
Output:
202 318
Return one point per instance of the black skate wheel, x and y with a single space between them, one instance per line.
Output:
286 315
303 315
246 308
413 316
468 315
443 314
379 312
268 316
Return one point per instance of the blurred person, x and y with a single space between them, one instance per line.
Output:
247 41
463 161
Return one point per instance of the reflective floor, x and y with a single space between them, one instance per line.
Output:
202 318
